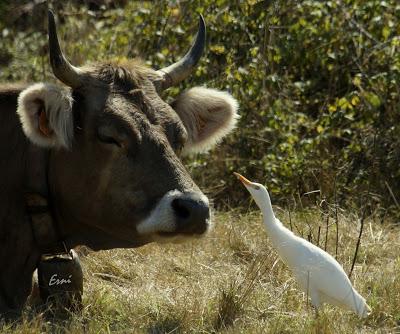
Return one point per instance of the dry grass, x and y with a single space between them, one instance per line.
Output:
231 282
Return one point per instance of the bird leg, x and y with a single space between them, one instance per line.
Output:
316 302
316 313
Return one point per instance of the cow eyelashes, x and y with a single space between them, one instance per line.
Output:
178 147
107 138
178 141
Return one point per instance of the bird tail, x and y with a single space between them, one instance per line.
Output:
367 311
360 305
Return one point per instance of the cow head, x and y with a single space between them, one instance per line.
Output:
115 177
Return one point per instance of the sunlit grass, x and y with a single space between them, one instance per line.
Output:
231 282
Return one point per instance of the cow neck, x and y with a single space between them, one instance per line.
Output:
38 205
45 231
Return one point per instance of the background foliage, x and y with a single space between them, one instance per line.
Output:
317 82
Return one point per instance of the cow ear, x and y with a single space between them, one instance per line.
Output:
207 114
45 111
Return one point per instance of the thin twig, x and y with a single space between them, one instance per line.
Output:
362 218
326 232
392 194
312 192
259 139
290 218
310 233
359 239
308 287
336 220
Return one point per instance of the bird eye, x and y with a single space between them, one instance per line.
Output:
257 187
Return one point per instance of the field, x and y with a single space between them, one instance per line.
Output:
232 282
318 88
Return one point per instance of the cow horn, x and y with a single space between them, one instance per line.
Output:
178 71
62 69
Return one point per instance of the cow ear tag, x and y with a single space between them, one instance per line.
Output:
61 281
44 124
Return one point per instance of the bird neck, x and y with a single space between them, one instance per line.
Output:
274 227
267 211
276 231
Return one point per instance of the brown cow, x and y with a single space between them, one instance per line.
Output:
104 150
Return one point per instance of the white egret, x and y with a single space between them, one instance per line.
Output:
317 272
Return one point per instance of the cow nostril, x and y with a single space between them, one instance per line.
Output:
192 213
180 209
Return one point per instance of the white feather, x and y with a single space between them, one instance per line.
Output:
317 272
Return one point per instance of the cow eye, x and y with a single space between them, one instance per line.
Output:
107 138
180 141
179 147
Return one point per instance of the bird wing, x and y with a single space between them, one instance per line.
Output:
317 272
314 266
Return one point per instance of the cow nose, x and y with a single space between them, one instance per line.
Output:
192 213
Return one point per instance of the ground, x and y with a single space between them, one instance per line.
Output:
232 281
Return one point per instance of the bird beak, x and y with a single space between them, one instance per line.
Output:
243 179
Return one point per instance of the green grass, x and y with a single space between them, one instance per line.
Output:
231 282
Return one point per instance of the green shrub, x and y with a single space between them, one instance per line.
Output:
317 82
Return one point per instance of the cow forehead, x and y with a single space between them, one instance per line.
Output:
139 103
141 109
126 92
125 74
